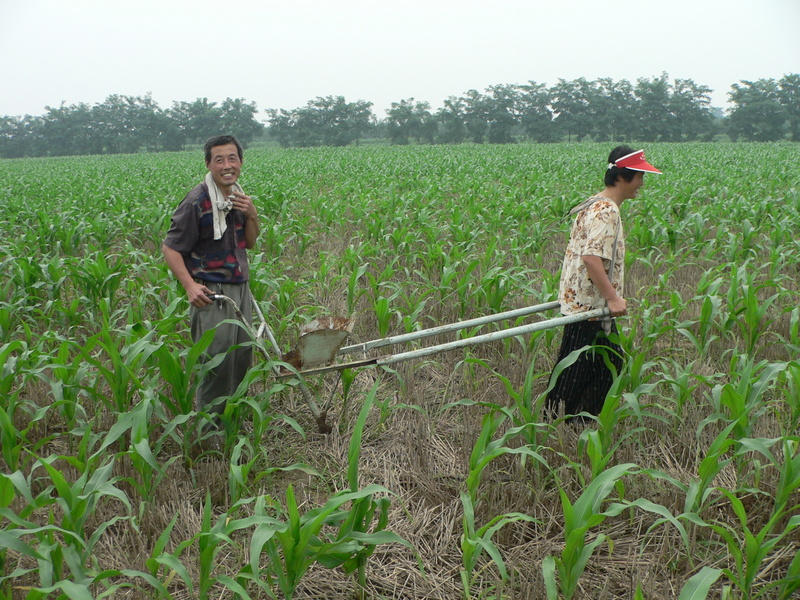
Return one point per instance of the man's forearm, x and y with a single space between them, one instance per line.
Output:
251 231
176 265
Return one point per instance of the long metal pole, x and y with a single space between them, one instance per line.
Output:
481 339
263 327
416 335
495 335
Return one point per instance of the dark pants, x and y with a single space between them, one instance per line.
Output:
583 386
226 377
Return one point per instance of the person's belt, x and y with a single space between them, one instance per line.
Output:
206 282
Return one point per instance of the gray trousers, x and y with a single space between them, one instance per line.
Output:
226 377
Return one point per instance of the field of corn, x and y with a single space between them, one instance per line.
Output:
439 478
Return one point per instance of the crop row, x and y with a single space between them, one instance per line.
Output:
695 454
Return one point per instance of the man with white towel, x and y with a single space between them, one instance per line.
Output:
206 249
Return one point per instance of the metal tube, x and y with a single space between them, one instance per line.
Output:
318 415
416 335
495 335
481 339
265 328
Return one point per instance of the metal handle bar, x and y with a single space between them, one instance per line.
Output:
495 335
263 327
480 339
415 335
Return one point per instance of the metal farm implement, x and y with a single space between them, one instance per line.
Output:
321 342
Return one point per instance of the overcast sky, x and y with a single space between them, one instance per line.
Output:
283 54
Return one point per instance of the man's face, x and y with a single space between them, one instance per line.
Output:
225 165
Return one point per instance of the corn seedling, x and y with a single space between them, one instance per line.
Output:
435 233
293 545
563 571
477 540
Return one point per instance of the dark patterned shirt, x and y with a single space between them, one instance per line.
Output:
192 235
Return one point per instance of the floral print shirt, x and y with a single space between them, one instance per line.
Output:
593 233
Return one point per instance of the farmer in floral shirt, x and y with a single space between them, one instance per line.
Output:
592 277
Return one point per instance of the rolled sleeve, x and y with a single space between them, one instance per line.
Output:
601 229
184 230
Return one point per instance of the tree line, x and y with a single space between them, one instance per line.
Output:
126 124
652 109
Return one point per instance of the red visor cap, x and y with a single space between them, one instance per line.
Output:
635 162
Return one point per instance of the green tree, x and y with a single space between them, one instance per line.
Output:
150 120
655 121
239 118
196 121
789 97
690 105
502 112
21 136
328 121
570 102
763 121
128 123
410 119
536 116
450 121
613 110
757 113
476 119
70 130
281 126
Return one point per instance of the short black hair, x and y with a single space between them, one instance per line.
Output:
222 140
612 173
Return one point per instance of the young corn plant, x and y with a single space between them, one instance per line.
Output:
562 572
159 558
64 552
700 334
354 290
67 374
120 358
791 391
244 460
135 424
749 549
364 511
752 315
78 501
384 313
294 544
698 494
11 537
181 370
601 443
12 375
476 540
743 404
526 412
210 541
584 515
683 382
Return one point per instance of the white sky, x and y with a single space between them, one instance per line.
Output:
281 54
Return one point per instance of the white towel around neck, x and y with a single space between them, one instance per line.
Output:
220 204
